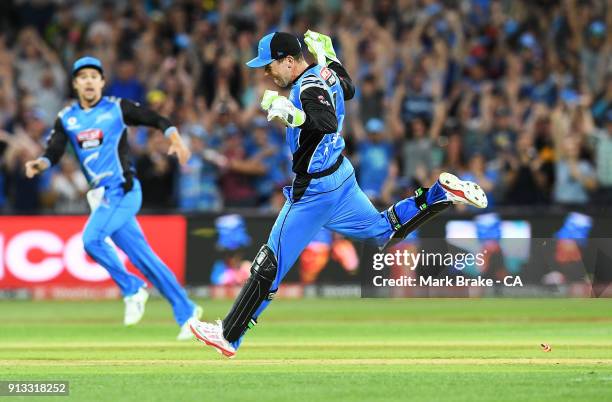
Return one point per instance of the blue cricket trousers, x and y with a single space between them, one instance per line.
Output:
116 218
337 203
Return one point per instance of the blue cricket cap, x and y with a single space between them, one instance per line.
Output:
274 46
89 62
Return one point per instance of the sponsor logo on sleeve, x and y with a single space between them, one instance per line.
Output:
328 76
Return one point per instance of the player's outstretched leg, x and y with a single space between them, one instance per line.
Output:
103 253
357 218
102 222
407 215
132 241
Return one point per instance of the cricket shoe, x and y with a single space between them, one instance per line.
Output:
135 306
212 335
462 192
185 333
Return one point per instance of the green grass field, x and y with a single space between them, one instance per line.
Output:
320 350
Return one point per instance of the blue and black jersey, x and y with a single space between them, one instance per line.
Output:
98 136
317 144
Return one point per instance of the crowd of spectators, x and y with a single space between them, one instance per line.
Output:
516 95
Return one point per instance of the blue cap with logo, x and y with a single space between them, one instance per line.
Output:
275 46
87 62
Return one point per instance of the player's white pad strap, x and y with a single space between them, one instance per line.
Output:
94 198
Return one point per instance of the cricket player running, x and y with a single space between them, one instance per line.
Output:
96 127
324 192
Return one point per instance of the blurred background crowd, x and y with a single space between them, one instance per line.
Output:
513 94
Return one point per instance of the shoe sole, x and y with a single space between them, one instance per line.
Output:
218 348
463 191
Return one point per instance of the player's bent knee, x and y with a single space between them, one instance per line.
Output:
255 291
92 242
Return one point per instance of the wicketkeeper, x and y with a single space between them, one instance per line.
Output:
324 192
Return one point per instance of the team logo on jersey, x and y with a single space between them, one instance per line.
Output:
72 121
91 138
328 76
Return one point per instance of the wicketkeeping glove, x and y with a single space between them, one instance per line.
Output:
321 47
281 108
